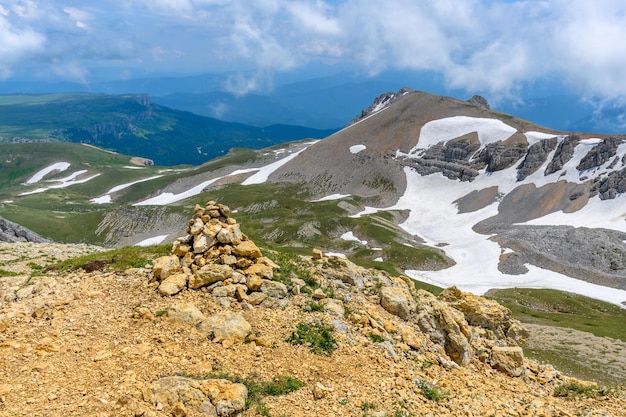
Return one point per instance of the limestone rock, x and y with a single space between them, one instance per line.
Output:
410 337
445 325
247 249
397 301
478 311
211 397
274 289
173 284
209 274
229 398
185 313
165 266
226 326
508 359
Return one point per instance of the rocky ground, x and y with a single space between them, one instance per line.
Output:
108 344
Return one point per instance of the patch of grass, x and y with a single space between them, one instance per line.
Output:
319 338
561 309
432 391
279 385
4 273
575 389
160 313
369 405
376 338
116 259
312 306
292 265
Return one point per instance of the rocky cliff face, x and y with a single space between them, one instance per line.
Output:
13 232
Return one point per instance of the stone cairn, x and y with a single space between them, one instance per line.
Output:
217 256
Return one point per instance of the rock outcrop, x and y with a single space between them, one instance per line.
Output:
13 232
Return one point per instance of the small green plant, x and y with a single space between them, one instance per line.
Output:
318 337
279 385
575 389
160 313
432 391
4 273
369 405
376 338
329 291
313 306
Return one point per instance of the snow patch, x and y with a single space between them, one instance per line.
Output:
534 137
64 182
436 220
337 254
349 236
59 166
443 130
332 197
379 259
357 148
264 172
105 199
169 198
152 241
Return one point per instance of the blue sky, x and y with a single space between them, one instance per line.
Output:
493 46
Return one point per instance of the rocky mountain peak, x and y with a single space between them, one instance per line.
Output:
479 101
381 102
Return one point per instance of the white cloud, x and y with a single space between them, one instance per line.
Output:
490 46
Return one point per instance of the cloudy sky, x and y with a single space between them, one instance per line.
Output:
494 46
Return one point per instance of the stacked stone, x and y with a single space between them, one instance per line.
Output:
216 255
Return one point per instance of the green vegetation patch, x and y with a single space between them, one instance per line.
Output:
116 259
575 389
557 308
432 391
5 273
257 389
318 337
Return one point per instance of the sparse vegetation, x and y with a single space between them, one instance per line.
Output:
575 389
376 338
5 273
318 337
279 385
432 391
116 259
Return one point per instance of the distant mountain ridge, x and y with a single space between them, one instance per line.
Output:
134 125
331 98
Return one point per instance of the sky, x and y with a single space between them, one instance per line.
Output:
493 46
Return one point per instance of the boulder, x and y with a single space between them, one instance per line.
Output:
173 284
508 359
226 326
397 301
209 274
187 396
247 249
186 313
165 266
274 289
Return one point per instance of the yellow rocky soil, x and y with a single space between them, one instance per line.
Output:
83 344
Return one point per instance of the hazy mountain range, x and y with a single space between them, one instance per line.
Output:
331 100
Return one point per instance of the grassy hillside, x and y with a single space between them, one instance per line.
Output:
134 125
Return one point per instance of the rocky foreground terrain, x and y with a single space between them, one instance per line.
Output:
198 332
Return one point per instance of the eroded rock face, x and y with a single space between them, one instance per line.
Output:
535 157
564 152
